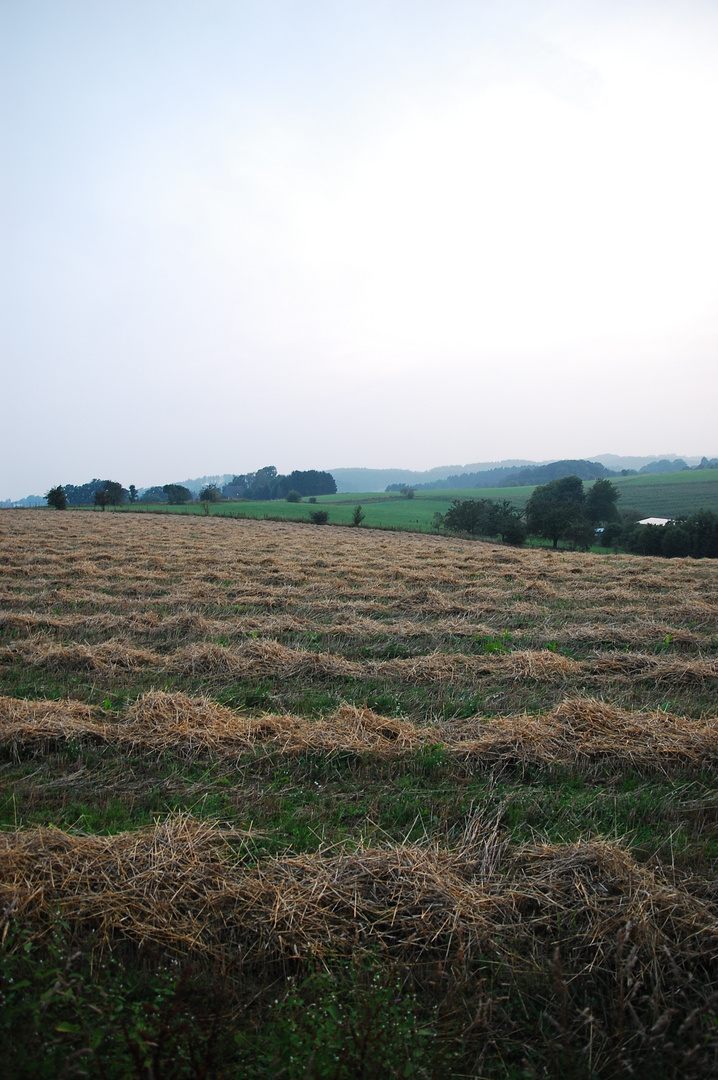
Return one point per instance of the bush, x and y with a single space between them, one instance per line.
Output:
697 537
210 493
470 516
611 534
514 531
350 1022
312 499
293 496
505 520
319 517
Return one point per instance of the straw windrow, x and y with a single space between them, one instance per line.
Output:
579 731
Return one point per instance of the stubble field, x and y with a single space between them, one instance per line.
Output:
292 800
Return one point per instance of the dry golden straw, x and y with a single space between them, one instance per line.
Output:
185 886
579 730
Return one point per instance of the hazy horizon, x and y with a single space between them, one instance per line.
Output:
244 232
638 460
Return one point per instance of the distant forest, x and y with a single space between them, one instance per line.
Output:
519 476
266 483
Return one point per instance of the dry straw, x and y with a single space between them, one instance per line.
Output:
106 657
578 731
184 885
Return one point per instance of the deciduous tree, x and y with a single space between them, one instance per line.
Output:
601 502
56 498
176 494
557 508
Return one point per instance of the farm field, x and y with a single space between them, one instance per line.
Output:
666 495
381 510
287 801
670 494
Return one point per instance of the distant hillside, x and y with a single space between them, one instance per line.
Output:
510 472
196 485
618 462
518 476
29 500
351 480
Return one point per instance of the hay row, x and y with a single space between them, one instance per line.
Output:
182 885
578 731
188 623
377 595
261 659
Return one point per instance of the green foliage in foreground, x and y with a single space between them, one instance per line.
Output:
122 1021
358 1018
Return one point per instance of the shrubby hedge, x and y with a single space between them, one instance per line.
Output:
695 536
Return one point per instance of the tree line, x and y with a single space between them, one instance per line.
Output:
562 510
559 510
95 493
265 484
695 536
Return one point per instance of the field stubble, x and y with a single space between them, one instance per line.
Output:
407 675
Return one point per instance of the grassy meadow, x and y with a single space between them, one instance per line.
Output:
287 801
665 495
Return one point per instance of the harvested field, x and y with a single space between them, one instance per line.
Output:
268 750
183 884
577 731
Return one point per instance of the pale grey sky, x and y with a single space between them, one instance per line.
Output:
324 234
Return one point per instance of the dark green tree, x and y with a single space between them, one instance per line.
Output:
102 497
83 494
358 515
154 495
311 482
293 496
115 493
474 516
601 502
176 494
56 498
506 521
210 493
133 493
557 509
265 483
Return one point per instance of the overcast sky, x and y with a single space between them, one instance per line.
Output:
323 233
